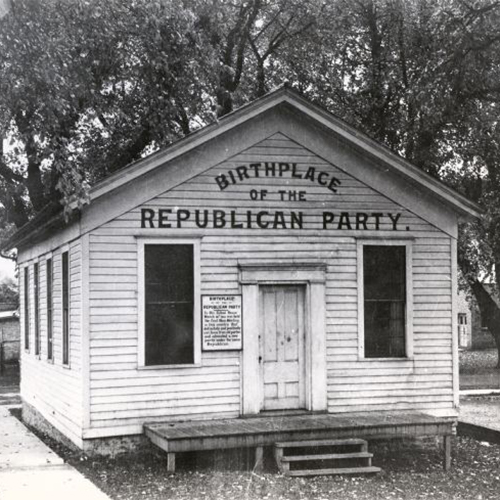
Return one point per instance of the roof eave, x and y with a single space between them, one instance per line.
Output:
195 139
466 208
30 233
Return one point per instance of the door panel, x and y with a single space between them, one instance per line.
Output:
282 336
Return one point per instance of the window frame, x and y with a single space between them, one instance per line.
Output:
141 301
26 307
65 305
36 309
49 304
408 244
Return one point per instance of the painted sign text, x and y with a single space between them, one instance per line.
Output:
165 218
277 170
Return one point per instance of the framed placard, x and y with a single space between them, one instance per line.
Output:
221 322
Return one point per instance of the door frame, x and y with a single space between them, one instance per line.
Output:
312 275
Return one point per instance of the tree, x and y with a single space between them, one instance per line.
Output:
87 87
421 77
9 293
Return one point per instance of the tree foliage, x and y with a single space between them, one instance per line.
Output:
88 86
9 292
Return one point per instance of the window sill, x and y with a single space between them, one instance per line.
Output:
166 367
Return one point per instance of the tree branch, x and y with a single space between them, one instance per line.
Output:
10 176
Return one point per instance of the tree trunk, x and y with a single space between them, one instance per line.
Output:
490 313
261 79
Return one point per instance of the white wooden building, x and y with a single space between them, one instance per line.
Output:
276 260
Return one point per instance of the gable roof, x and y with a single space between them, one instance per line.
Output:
284 97
291 97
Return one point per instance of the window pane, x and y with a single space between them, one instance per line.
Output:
169 338
169 273
384 271
384 336
169 281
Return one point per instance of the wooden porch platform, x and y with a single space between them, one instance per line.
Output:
260 431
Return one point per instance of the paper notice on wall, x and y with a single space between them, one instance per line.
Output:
221 322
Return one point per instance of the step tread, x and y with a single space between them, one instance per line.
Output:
321 442
326 456
319 472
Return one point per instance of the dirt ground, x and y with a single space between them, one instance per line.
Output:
410 471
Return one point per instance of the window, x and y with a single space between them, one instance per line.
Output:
462 319
384 284
49 308
26 309
36 307
65 308
168 320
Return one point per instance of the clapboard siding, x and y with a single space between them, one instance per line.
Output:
123 395
126 379
53 389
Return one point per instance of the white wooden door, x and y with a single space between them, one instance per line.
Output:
282 338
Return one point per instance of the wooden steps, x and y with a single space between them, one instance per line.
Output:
324 457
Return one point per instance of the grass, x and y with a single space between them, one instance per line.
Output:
478 370
475 362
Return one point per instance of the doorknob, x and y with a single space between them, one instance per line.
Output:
260 359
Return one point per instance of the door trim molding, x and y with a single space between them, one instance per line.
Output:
281 272
313 276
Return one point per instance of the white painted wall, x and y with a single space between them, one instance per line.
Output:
122 397
54 389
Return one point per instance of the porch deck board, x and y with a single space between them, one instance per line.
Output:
267 430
